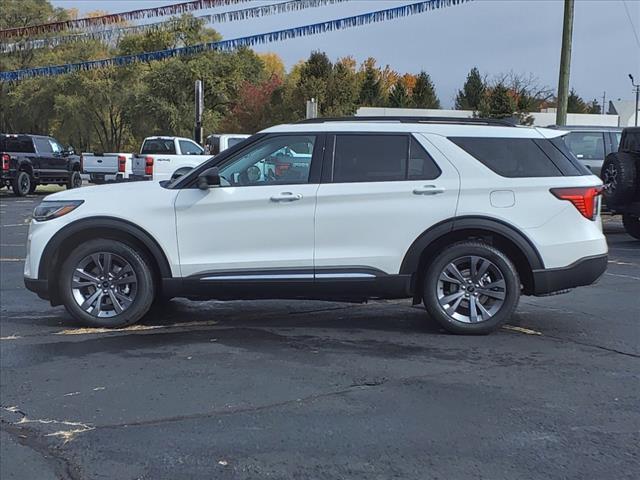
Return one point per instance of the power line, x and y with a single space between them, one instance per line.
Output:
633 27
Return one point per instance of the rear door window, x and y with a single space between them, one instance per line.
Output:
161 146
370 158
509 157
586 145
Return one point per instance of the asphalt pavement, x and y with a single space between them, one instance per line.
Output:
317 390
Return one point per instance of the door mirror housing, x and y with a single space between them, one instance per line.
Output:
69 150
209 178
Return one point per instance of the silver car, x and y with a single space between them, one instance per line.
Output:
592 144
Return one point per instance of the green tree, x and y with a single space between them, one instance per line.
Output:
424 92
399 98
472 92
342 89
497 103
314 78
575 104
370 90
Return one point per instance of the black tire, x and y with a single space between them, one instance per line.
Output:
620 176
631 224
436 291
120 253
33 187
75 180
22 183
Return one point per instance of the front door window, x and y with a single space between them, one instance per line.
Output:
276 160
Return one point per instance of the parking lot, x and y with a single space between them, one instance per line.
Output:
284 389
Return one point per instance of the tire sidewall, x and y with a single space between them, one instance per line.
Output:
73 180
144 297
430 288
17 185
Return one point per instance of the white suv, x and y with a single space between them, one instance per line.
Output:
463 215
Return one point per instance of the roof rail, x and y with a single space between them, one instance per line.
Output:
400 119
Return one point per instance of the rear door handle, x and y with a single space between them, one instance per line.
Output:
286 197
428 190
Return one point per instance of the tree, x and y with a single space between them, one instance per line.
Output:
424 92
594 107
472 92
251 110
399 98
497 103
575 104
314 77
342 89
370 90
273 65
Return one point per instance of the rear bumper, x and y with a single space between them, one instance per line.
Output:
136 178
39 287
582 272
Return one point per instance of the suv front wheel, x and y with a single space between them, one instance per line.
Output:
106 283
471 288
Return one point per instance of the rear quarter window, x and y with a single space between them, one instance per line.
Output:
518 157
159 146
16 144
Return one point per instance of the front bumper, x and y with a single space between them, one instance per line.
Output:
582 272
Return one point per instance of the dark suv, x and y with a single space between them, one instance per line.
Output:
32 160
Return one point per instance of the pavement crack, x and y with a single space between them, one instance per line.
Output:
593 345
34 440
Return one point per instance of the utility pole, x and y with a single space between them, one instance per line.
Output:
636 87
604 97
565 63
199 99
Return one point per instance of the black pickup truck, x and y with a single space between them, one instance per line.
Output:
621 177
32 160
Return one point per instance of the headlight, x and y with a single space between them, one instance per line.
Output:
49 210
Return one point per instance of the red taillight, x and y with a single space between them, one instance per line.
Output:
6 159
122 162
583 198
148 166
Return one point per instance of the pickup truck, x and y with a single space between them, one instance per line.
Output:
107 167
32 160
166 158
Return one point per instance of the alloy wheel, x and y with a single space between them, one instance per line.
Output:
104 284
610 177
471 289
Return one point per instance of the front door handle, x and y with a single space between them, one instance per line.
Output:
286 197
428 190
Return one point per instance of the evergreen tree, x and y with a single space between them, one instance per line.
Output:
497 103
370 91
594 107
342 90
399 98
575 104
472 92
424 92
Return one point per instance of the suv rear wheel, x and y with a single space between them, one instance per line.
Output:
471 288
106 283
75 180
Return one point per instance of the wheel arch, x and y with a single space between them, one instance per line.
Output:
71 235
505 237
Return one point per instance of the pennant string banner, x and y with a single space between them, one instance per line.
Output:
110 19
228 45
113 35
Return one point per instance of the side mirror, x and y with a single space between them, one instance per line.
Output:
70 150
209 178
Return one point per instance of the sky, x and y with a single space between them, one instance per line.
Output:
497 36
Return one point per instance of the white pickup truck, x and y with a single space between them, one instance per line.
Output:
164 158
106 167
